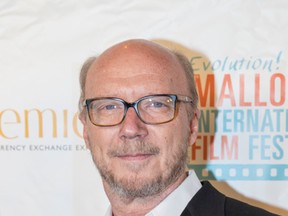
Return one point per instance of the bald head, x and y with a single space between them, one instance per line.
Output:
141 66
136 50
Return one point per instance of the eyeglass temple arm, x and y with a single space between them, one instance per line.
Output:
185 99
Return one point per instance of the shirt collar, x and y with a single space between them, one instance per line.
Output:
181 195
175 203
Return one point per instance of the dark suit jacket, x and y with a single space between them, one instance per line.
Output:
208 201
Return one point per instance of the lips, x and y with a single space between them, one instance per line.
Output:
135 157
134 151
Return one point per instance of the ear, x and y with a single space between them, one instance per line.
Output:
194 126
83 119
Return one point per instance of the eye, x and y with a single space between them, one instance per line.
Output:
157 104
109 107
106 106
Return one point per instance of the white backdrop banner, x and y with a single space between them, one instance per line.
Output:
237 49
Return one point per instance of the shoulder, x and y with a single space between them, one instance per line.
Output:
236 207
209 201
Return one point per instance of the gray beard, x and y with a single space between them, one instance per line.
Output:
131 188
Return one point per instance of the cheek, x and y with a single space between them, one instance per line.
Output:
175 137
99 142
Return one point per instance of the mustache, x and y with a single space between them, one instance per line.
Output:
132 148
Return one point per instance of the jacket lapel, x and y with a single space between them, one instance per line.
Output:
207 201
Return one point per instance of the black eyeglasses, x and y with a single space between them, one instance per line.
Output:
151 109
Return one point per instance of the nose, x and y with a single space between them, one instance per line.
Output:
132 127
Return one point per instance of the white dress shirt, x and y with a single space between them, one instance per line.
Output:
175 202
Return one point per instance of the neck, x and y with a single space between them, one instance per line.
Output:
139 206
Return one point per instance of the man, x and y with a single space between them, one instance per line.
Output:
139 111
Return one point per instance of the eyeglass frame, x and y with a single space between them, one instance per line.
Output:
175 98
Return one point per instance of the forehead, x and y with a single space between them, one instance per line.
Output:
135 68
